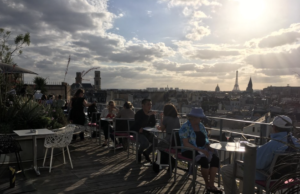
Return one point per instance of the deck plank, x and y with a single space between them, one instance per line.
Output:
99 170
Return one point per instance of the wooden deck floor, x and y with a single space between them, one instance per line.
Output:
99 170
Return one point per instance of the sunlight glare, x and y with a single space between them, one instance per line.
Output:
251 9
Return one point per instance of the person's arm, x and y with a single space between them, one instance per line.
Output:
184 135
152 120
138 119
264 155
70 104
163 123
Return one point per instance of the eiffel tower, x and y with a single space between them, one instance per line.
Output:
236 85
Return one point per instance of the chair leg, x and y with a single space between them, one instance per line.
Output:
114 144
51 159
70 157
21 164
45 156
175 174
18 162
170 164
127 148
63 151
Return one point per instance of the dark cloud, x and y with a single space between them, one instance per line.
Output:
279 60
279 40
210 54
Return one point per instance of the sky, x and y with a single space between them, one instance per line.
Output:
189 44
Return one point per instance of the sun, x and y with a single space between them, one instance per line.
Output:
251 9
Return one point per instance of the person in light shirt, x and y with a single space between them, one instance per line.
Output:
109 112
281 132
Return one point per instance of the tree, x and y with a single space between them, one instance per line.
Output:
8 50
40 84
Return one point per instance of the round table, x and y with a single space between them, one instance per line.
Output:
227 146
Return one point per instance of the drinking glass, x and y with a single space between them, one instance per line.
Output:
237 142
227 135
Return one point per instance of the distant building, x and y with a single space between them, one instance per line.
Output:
217 88
152 89
250 87
97 80
177 89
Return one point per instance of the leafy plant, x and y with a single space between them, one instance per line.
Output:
40 84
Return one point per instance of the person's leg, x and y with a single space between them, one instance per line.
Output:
104 126
228 176
144 143
204 169
214 166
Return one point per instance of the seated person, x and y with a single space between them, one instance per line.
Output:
91 112
193 135
281 128
169 121
125 113
109 112
144 118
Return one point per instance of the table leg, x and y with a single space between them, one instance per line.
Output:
35 167
234 170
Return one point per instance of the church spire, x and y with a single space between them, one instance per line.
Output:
250 86
217 88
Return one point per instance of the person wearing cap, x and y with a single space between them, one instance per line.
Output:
281 132
193 135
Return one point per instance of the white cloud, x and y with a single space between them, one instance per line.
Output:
198 32
199 14
186 11
281 37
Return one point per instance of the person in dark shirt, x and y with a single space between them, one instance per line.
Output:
144 118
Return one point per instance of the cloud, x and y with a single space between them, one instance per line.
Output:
196 3
173 66
199 14
284 59
278 38
198 32
210 54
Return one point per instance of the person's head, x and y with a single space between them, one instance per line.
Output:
78 94
170 110
127 105
196 115
146 105
282 123
59 96
44 97
111 104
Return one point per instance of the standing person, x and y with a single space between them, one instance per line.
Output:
59 103
77 105
92 109
109 112
169 121
144 118
193 135
43 99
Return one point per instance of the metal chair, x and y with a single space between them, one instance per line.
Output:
122 130
178 156
9 145
60 139
283 174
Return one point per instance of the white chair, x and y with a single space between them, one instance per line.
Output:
61 139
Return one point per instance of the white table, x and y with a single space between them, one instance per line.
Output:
39 132
228 147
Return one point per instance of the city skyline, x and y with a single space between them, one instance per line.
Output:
152 43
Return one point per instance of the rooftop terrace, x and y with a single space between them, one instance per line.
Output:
99 170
